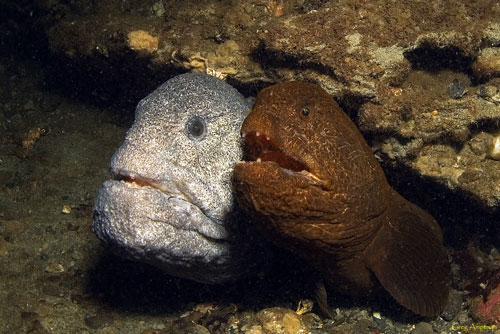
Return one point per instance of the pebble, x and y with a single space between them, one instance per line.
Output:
281 321
480 143
456 89
381 324
364 326
487 91
54 268
66 209
98 321
423 328
494 152
158 9
487 63
490 93
141 40
76 255
453 306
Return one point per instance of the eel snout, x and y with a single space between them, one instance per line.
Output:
260 147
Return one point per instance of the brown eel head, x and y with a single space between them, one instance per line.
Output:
314 188
305 158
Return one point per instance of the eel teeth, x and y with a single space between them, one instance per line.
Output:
260 147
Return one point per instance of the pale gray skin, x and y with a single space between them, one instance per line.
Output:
171 203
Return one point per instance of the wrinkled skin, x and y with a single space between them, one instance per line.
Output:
314 187
171 202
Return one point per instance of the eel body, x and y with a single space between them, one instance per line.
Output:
313 187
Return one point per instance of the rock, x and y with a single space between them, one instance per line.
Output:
54 268
403 67
453 307
364 326
140 40
98 321
456 89
27 141
487 63
423 328
480 143
494 148
278 320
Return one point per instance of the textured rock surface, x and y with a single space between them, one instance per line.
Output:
399 62
420 76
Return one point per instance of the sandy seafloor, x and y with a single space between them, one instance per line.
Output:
56 277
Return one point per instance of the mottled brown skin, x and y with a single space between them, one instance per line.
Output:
318 191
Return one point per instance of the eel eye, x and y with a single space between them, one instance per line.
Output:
304 112
196 128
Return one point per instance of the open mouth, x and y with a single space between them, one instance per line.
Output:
138 182
259 147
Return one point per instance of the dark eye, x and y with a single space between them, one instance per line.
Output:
196 128
304 112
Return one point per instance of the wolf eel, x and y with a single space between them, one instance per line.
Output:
313 187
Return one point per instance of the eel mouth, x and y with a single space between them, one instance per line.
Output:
138 182
260 147
195 218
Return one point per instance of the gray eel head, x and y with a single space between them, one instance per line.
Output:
171 202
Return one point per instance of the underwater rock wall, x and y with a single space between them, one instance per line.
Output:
420 78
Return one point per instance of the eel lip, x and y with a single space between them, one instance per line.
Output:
211 228
260 147
138 182
135 181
